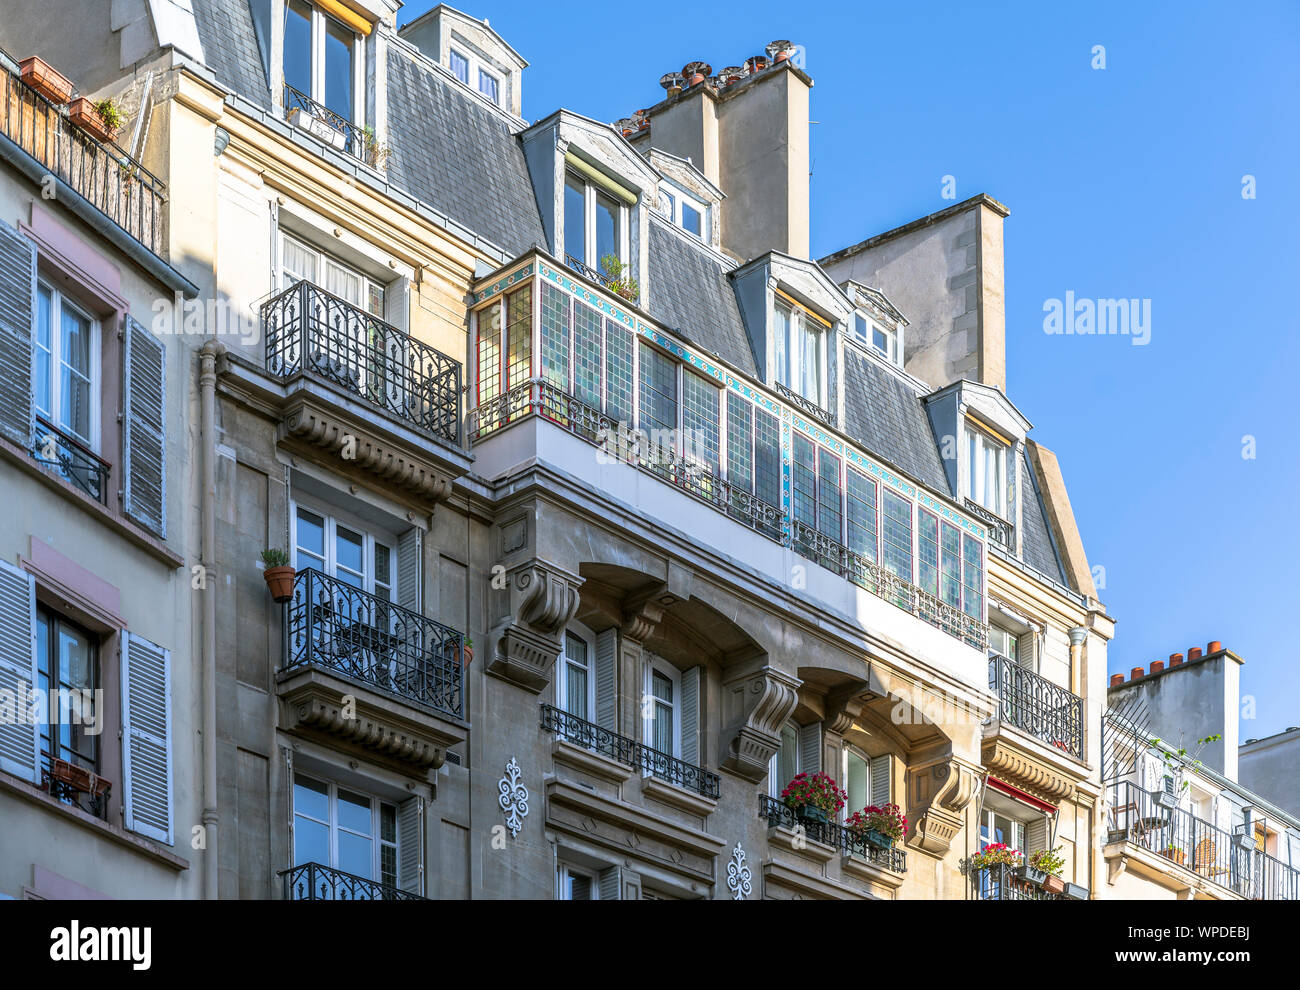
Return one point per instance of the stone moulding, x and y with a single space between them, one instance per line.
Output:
538 602
766 697
937 796
1022 770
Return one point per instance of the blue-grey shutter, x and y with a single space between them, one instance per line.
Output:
880 783
611 882
410 845
810 748
692 681
146 737
1035 837
17 319
607 679
410 591
144 447
19 740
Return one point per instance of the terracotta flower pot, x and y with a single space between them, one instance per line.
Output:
280 581
46 80
83 113
1053 884
467 654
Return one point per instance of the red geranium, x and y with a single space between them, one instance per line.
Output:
814 790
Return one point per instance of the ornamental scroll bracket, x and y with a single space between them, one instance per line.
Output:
756 705
938 795
535 605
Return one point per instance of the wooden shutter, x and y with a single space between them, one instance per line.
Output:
17 318
1026 655
146 737
144 447
611 884
810 748
692 681
19 740
1035 836
410 845
880 768
606 673
410 577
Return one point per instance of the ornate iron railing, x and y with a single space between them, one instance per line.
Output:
108 178
586 271
1004 883
775 813
1272 880
313 882
75 461
1145 819
806 404
333 625
629 752
1035 705
1000 531
90 795
310 330
323 123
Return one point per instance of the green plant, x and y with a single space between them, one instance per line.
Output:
997 854
377 152
1177 761
110 112
1047 861
619 282
815 791
888 820
275 557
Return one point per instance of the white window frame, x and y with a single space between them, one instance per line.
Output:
582 633
564 870
376 837
454 53
590 190
1017 829
318 38
977 441
57 302
672 209
334 516
324 258
774 784
1015 641
791 372
482 72
649 702
857 753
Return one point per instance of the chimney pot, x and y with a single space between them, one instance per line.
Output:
1157 666
780 50
1135 673
696 72
756 63
1214 646
1175 659
1194 653
1116 680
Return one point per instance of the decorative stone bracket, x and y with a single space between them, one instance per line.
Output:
937 797
756 705
537 602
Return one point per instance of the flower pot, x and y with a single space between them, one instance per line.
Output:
466 654
46 80
879 840
1076 892
1031 875
280 581
83 113
1053 884
810 815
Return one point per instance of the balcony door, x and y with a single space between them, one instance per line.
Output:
323 64
345 830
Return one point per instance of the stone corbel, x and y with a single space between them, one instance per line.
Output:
937 798
759 704
539 601
844 705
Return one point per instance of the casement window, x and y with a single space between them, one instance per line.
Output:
701 403
346 830
986 470
818 491
301 261
896 535
658 390
575 884
753 450
799 752
799 350
939 564
684 211
860 504
595 222
871 334
662 707
323 60
1003 642
996 826
972 577
505 329
346 551
866 780
489 85
66 350
586 355
575 689
67 666
459 66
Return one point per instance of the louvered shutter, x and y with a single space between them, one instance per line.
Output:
611 883
810 748
691 682
1152 776
17 318
881 793
146 737
1035 836
19 740
410 579
410 845
144 449
1026 654
607 679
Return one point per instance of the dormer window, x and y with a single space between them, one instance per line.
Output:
986 470
489 86
799 341
881 339
683 211
322 59
472 72
460 66
595 222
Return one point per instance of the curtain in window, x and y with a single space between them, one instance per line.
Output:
661 729
809 385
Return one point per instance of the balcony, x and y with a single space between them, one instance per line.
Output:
587 272
777 814
1001 532
313 882
807 405
1035 705
325 125
1002 883
312 332
110 180
71 459
629 752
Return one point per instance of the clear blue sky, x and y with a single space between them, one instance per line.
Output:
1122 182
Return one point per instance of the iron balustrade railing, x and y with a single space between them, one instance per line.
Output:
1035 705
108 178
538 397
1000 531
322 122
335 626
806 404
1272 880
1145 819
629 752
74 460
775 812
310 330
313 882
586 271
1005 883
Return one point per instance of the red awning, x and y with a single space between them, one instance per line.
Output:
1020 795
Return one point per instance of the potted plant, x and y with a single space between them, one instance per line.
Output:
814 797
1175 852
102 120
377 153
467 652
278 574
46 80
619 282
1044 869
880 826
996 854
1176 763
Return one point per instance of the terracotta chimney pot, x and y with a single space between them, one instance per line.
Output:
1214 646
1194 653
1157 666
1175 659
1136 672
1116 680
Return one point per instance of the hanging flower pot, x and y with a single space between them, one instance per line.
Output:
46 80
278 574
467 653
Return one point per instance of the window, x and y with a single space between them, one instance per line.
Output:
460 66
595 223
489 86
986 470
573 884
66 367
684 212
861 505
997 827
871 334
345 551
799 345
1002 641
505 327
897 535
972 577
785 761
661 707
299 260
576 689
67 666
700 412
321 60
344 830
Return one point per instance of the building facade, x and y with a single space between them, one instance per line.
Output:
611 510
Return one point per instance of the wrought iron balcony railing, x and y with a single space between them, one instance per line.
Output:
335 626
108 178
1003 883
775 812
323 123
629 752
74 460
313 882
310 330
700 481
807 405
1035 705
1000 531
586 271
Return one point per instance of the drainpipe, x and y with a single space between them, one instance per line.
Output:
207 553
1077 635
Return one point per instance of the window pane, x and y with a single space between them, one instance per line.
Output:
607 234
829 513
488 86
354 812
972 577
519 336
460 66
767 457
383 571
780 341
348 551
860 327
555 336
299 261
356 855
576 695
74 372
311 540
618 372
662 734
950 565
805 480
658 391
43 350
311 842
692 220
311 797
587 323
489 353
857 783
578 887
897 542
388 823
810 364
861 503
740 443
788 757
338 68
700 401
297 47
927 549
575 218
662 687
345 284
879 339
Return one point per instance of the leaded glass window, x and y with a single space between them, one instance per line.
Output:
555 337
861 503
618 372
700 399
897 542
829 513
950 564
586 354
740 443
927 551
972 577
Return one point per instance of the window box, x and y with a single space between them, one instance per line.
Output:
1033 876
879 840
1076 892
318 128
807 813
66 780
82 112
1053 884
46 80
